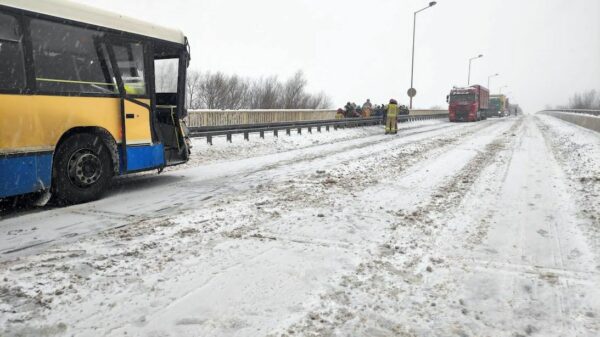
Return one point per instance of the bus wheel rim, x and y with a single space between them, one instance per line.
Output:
84 168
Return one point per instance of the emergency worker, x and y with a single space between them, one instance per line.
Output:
367 108
391 123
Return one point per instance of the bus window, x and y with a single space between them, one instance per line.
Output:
130 58
70 59
165 75
12 64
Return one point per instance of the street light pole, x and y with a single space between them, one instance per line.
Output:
470 60
412 66
489 77
502 87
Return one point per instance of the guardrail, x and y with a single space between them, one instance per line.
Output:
209 132
589 119
202 118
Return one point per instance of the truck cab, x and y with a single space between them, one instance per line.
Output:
463 105
468 104
498 106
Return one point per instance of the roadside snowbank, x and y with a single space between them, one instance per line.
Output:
578 151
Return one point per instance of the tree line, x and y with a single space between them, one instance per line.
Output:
216 90
587 100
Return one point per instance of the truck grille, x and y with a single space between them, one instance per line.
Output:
462 112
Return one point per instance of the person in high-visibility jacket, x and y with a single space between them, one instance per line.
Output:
391 122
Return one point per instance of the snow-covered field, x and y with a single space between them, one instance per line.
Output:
474 229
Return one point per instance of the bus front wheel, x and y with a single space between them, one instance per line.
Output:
82 169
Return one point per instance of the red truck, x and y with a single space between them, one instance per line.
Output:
468 104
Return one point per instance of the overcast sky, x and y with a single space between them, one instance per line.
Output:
544 50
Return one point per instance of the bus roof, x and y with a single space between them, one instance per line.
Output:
70 10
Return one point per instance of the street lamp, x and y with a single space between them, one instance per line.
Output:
412 91
489 88
470 60
502 87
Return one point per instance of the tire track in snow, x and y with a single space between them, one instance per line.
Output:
146 203
508 298
362 296
251 232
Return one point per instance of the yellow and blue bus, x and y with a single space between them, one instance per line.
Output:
79 101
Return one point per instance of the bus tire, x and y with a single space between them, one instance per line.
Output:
82 169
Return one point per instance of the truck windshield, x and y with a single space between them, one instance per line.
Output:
462 98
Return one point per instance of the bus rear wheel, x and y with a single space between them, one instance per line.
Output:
82 169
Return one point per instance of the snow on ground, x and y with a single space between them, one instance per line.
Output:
578 151
221 150
474 229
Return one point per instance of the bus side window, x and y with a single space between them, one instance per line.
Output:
130 58
70 59
12 64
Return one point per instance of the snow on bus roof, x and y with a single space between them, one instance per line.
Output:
87 14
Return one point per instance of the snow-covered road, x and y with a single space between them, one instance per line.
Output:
478 229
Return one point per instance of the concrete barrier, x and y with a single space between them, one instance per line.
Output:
237 117
583 120
418 112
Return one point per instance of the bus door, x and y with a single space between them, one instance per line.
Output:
170 67
138 150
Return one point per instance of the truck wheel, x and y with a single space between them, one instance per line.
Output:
82 169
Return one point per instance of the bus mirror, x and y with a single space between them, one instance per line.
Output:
447 98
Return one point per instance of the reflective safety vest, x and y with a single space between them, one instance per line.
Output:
135 88
392 110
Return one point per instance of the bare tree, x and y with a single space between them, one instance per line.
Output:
318 101
236 94
220 91
212 90
293 91
587 100
192 89
265 93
